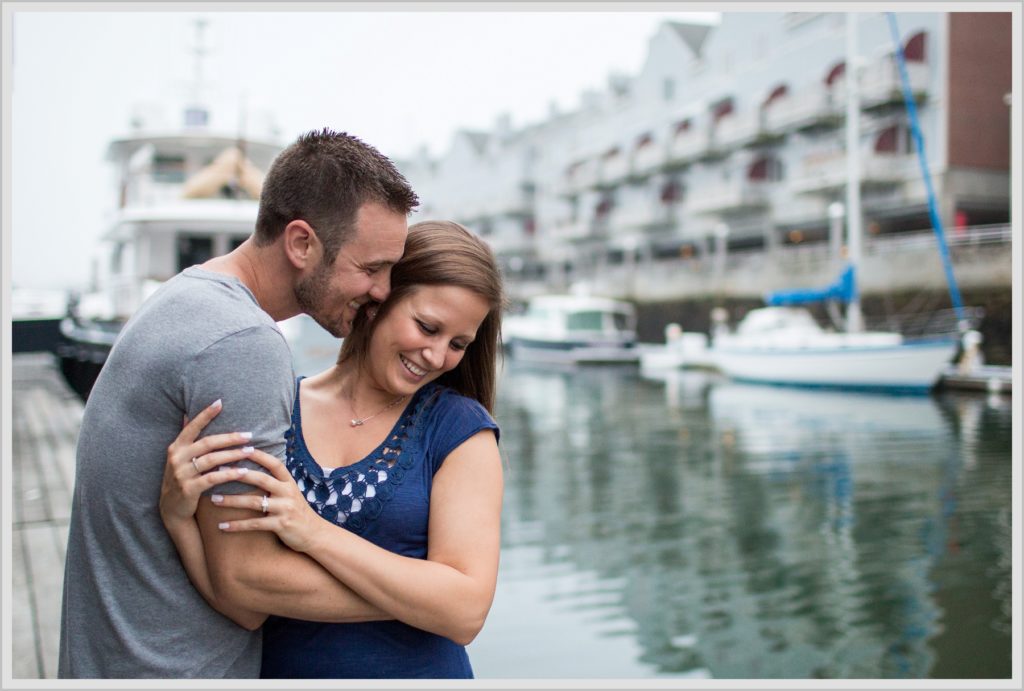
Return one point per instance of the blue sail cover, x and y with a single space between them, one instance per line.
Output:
842 290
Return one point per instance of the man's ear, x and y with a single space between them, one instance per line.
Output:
301 245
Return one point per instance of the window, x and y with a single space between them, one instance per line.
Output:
894 139
837 71
913 50
671 192
778 92
169 168
766 169
116 258
194 249
668 89
721 109
586 321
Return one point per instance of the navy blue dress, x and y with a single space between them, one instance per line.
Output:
384 498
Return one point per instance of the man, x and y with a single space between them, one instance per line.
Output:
332 220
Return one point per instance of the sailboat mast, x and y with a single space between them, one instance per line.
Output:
854 317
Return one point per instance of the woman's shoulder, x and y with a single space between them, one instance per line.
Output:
444 400
449 418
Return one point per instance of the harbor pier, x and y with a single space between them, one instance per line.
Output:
45 418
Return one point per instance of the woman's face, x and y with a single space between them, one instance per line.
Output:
424 336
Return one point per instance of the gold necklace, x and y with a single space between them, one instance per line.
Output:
358 421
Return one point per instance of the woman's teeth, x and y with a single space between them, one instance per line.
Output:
412 368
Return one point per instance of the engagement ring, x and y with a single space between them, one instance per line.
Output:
265 503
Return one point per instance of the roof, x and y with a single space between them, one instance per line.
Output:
581 302
693 35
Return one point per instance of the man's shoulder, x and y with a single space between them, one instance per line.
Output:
201 301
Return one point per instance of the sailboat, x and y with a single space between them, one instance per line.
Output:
782 343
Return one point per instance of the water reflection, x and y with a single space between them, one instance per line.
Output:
710 528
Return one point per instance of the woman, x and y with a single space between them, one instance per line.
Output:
392 479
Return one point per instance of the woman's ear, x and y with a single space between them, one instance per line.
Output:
301 245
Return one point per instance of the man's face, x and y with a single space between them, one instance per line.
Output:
361 272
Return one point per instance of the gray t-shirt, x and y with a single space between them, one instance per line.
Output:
129 609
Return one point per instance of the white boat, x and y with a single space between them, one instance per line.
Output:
681 349
785 345
185 193
35 319
576 329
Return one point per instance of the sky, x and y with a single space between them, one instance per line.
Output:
401 80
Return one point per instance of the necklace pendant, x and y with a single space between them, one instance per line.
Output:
356 422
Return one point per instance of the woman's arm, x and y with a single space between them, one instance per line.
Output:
182 485
450 592
244 577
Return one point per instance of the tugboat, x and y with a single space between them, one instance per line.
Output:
185 194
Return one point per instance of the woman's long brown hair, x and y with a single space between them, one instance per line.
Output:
444 253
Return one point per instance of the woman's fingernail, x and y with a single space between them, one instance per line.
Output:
222 526
247 449
243 471
217 498
245 435
217 404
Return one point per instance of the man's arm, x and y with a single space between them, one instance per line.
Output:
255 571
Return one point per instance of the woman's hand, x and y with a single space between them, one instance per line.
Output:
287 512
185 476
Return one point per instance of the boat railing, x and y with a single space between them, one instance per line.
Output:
935 323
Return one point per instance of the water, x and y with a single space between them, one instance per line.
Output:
690 526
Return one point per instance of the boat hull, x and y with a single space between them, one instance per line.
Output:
562 352
35 335
83 350
908 367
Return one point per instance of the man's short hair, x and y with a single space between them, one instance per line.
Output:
324 178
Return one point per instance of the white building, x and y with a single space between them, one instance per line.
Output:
730 141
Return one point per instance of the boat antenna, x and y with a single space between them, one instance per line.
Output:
195 113
933 209
200 51
241 144
854 317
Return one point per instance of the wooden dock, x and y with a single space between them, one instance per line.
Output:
45 419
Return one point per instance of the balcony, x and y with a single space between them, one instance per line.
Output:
825 173
647 160
815 106
881 84
568 231
515 202
613 170
642 215
688 146
738 129
735 195
508 241
581 176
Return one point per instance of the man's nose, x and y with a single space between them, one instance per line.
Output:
380 289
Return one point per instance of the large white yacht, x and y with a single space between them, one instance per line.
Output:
185 192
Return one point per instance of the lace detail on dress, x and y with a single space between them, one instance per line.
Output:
354 495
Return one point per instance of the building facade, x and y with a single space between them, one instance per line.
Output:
726 153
